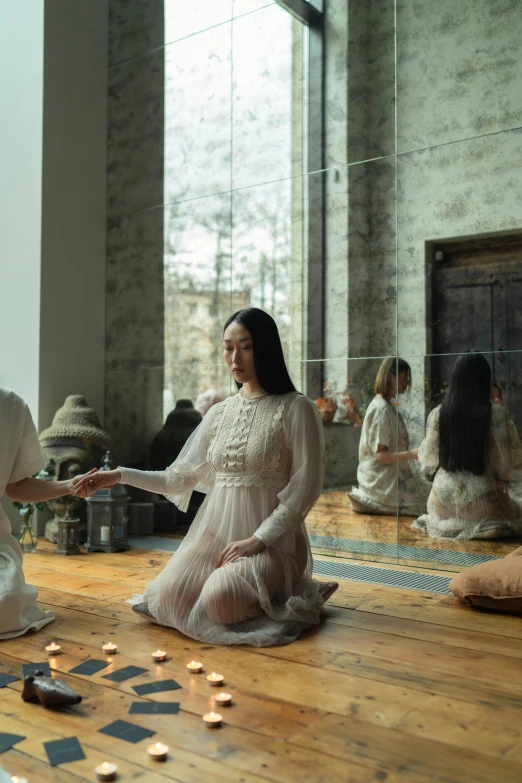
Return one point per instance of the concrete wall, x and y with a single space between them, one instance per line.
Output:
134 338
424 143
72 319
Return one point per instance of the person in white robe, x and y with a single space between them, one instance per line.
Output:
387 481
21 456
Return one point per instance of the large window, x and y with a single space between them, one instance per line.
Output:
236 154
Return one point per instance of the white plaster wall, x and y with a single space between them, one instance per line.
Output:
21 106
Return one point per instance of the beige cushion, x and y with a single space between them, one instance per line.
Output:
496 584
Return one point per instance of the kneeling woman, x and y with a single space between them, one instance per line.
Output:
20 457
243 573
472 447
387 483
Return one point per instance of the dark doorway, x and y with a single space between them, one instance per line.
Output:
476 304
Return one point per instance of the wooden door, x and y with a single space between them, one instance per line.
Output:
476 291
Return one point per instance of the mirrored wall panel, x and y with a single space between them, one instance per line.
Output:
356 173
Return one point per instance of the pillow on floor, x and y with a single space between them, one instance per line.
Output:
496 584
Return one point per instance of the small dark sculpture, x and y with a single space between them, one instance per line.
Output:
49 692
166 446
179 426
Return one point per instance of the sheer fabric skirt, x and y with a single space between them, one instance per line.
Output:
465 506
262 600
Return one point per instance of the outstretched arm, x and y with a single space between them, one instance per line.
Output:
386 457
33 490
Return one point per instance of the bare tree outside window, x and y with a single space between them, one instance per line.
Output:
234 217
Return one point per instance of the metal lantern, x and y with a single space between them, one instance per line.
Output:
107 517
68 536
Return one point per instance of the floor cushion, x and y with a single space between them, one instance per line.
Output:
495 585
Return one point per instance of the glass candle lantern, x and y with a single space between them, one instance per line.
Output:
107 518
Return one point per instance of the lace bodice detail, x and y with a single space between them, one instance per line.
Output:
247 443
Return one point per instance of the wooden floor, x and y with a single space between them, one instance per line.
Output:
395 685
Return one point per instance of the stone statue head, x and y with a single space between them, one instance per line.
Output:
76 442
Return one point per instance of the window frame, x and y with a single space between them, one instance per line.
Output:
312 15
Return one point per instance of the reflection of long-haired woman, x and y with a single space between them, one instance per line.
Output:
387 484
243 572
472 447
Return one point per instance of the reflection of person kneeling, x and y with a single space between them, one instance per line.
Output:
20 457
472 447
387 483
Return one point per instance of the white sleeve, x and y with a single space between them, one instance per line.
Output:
30 457
304 434
380 425
428 453
189 471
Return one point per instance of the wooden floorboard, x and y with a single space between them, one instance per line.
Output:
394 685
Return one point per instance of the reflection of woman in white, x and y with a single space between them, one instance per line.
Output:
243 572
387 484
472 447
20 457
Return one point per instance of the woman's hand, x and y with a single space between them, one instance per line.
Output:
235 550
70 486
86 485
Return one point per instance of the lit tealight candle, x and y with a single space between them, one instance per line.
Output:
159 655
16 779
109 648
215 679
213 720
195 667
223 699
106 771
53 649
158 751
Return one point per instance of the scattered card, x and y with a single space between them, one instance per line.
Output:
124 674
126 731
6 679
154 708
156 687
31 668
63 751
8 740
89 667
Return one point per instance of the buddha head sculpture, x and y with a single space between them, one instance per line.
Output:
75 442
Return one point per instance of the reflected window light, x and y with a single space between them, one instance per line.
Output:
235 210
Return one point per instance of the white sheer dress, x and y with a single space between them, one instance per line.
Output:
463 505
21 456
260 460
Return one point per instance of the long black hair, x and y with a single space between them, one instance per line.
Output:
465 416
271 370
